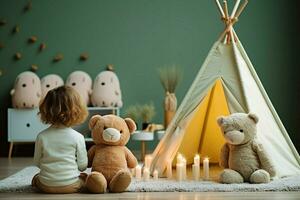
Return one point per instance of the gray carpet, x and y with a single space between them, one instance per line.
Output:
20 182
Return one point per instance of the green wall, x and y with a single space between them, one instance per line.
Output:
138 36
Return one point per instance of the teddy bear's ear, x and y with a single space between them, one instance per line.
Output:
93 121
220 120
253 117
131 124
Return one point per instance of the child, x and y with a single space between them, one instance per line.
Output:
59 150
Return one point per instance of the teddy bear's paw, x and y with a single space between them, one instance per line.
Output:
96 183
34 180
120 181
271 171
230 176
260 176
83 176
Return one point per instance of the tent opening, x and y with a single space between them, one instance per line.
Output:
202 134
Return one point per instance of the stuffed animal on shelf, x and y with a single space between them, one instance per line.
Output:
242 156
82 83
106 90
50 82
109 157
27 91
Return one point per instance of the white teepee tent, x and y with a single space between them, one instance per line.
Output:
226 83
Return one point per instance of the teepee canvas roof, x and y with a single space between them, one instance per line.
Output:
226 83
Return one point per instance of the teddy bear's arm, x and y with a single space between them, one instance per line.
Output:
130 158
224 156
263 157
91 154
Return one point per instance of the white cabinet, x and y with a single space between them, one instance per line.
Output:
24 124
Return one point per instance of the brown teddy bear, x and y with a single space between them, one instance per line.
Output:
242 156
109 157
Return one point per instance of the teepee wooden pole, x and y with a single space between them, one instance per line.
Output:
231 25
227 20
236 5
231 36
220 8
225 39
235 36
240 10
228 38
226 10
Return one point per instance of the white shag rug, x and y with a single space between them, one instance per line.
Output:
20 182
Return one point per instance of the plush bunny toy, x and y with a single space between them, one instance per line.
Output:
106 90
27 91
50 82
82 83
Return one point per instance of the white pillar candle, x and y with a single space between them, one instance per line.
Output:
179 158
206 168
138 172
179 171
169 169
196 172
197 159
155 175
184 168
148 160
132 171
146 174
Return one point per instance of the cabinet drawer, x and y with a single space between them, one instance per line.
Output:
24 125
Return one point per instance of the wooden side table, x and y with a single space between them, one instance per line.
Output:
160 134
143 136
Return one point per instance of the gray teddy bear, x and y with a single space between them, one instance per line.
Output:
242 156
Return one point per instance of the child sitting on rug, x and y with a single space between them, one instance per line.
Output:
60 151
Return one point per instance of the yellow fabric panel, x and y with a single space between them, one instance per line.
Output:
191 139
212 139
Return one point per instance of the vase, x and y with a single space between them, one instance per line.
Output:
170 106
145 125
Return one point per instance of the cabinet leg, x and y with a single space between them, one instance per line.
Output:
11 145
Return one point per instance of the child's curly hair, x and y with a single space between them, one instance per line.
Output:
63 106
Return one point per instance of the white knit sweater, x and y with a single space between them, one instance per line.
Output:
60 153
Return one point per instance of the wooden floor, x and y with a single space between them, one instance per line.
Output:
8 167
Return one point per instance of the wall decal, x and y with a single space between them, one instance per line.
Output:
16 29
34 68
42 46
110 67
28 6
3 22
84 56
32 39
18 56
58 57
